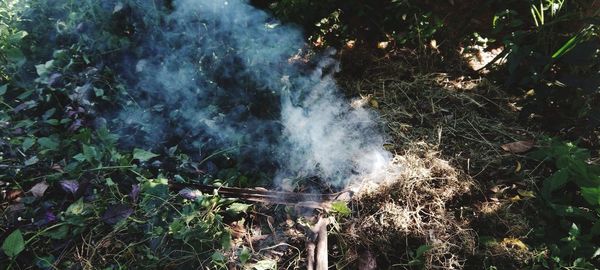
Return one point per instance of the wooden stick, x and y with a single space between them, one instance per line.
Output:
310 253
308 200
321 251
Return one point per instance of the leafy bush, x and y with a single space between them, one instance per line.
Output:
11 56
334 22
571 196
552 55
70 183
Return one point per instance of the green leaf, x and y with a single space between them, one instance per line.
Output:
31 161
217 257
591 195
99 92
422 249
143 155
27 143
48 143
569 45
154 193
226 241
59 233
574 230
76 208
45 262
44 69
3 89
244 255
79 157
237 208
557 180
341 207
13 244
90 153
52 122
15 55
16 37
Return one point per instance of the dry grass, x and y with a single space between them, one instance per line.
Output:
447 134
409 209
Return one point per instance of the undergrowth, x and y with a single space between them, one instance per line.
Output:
76 195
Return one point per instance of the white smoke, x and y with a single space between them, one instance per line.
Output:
208 53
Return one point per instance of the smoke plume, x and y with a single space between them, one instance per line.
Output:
217 75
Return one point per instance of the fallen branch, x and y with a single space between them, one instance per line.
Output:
316 246
321 252
308 200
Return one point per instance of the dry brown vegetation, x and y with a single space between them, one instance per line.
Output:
452 182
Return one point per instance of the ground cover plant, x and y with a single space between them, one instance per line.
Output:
466 131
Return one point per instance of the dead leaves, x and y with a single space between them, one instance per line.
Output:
39 189
518 147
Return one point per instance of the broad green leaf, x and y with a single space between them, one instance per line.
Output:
16 37
591 195
574 230
44 69
52 122
45 262
79 157
76 208
153 193
90 153
13 244
226 241
218 257
48 113
99 92
58 233
143 155
341 208
31 161
244 255
49 143
237 208
422 249
15 55
557 180
3 89
59 54
27 143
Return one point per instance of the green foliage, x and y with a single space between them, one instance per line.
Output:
13 244
95 189
143 155
341 208
571 196
335 22
11 55
552 55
